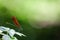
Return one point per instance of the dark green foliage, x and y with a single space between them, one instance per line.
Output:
31 33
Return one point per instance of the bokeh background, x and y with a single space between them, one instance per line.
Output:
40 19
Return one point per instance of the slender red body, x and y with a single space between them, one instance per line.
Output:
16 21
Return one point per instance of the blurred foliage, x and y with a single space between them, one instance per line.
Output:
6 17
31 33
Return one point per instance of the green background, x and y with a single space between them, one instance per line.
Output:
8 9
